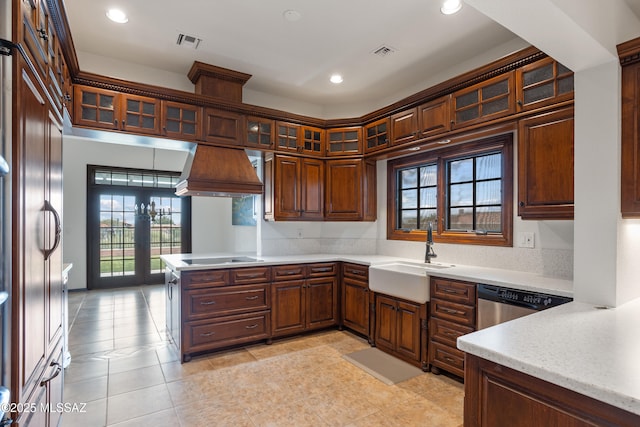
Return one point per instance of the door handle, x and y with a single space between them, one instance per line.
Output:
55 374
56 217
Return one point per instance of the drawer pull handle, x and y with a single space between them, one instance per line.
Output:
289 273
252 298
207 334
321 270
447 310
255 325
358 272
450 291
449 359
207 302
248 276
55 373
450 334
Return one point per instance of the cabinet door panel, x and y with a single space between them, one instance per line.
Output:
355 308
434 117
287 187
140 114
95 107
344 189
404 127
223 127
312 186
322 302
181 121
288 307
545 166
408 333
386 326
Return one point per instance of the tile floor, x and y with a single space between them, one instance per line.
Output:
126 374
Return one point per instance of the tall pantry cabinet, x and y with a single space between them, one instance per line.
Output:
36 288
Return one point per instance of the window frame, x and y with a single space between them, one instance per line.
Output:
500 143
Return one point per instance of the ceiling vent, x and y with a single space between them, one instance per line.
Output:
384 50
188 41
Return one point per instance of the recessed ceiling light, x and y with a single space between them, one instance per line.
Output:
336 79
291 15
116 15
450 7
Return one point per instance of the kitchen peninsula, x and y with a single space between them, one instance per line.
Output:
219 300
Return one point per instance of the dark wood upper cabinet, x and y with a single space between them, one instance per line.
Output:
376 135
434 116
545 166
288 137
312 141
543 83
181 121
404 127
490 99
344 141
629 53
223 127
106 109
260 132
350 190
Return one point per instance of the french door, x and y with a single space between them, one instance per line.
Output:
129 227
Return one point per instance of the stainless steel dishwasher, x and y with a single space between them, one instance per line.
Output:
497 304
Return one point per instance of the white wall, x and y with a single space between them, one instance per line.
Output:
211 216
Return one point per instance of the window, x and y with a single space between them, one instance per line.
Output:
465 191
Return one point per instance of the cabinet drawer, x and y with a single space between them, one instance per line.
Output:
288 272
447 332
448 358
204 279
453 290
205 303
323 269
251 275
226 331
458 313
355 271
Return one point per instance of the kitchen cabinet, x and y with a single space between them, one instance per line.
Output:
543 83
376 135
629 53
294 188
181 121
496 395
453 313
344 141
36 27
288 137
545 165
356 298
399 329
350 190
312 141
404 127
36 290
260 132
305 297
490 99
219 308
223 127
111 110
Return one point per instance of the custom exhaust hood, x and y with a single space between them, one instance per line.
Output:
218 172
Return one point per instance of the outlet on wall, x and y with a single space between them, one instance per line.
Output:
299 233
526 239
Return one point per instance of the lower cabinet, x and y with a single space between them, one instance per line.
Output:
401 329
355 298
499 396
306 303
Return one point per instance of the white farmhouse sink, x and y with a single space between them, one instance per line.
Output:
403 279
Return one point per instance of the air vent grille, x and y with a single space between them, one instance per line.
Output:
383 51
188 41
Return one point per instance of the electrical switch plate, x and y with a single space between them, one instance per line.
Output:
526 239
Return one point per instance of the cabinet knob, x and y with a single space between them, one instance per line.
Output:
43 34
521 204
519 102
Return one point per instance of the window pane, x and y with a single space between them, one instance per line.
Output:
496 89
409 199
538 75
409 220
467 99
496 106
565 85
428 175
539 92
461 170
489 219
461 219
409 178
428 197
427 216
489 193
488 167
461 194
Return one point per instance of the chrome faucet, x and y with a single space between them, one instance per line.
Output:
429 253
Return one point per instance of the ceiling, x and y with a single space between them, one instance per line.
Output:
294 60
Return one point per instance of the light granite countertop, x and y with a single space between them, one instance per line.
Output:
590 350
490 276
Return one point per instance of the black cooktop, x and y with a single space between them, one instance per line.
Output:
221 260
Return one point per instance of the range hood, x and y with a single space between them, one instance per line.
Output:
218 172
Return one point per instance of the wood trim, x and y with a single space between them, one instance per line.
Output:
61 24
505 143
629 52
